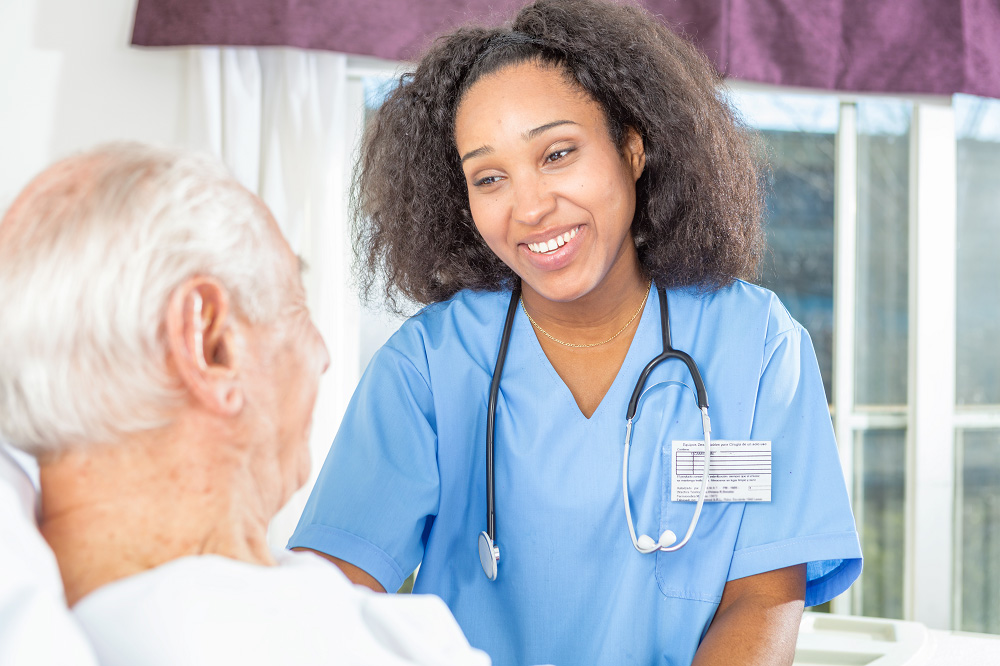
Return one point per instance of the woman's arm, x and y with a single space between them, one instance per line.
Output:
757 621
356 575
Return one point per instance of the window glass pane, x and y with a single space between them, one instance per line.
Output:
977 123
376 89
882 253
878 504
799 133
980 525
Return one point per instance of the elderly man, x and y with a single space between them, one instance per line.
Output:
158 359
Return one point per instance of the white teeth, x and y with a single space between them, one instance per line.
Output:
545 247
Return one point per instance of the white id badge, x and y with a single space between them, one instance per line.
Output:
739 471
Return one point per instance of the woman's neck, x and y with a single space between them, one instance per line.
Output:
587 339
114 512
596 315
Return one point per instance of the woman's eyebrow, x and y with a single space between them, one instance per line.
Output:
478 152
528 136
532 133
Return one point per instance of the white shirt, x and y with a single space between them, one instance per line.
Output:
214 610
36 627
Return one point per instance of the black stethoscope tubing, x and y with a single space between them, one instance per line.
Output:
491 412
668 353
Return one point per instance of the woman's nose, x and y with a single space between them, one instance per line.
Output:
533 200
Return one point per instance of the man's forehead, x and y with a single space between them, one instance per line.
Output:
62 184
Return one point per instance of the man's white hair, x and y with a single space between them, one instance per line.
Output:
90 253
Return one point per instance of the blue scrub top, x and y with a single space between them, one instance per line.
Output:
405 481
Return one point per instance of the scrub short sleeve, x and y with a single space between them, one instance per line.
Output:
378 491
809 518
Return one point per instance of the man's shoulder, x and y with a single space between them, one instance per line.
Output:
32 568
209 609
35 624
16 483
219 581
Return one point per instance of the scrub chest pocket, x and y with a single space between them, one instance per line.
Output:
668 411
700 569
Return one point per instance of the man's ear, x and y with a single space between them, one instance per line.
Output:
635 152
202 340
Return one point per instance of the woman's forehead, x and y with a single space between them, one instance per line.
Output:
521 98
518 74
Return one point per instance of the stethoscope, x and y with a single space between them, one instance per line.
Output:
489 551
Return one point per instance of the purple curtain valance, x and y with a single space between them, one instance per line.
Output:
895 46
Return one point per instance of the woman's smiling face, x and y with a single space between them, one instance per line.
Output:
549 190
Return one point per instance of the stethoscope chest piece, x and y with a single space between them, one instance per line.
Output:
489 555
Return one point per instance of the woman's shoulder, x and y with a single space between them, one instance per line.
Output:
742 304
467 319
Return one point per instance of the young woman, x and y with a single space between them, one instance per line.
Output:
571 197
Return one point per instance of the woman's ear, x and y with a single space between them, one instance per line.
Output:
635 152
201 339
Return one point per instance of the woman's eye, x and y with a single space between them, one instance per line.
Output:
558 155
486 180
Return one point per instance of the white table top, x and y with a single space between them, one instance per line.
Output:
843 640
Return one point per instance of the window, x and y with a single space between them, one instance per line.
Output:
838 206
799 134
977 418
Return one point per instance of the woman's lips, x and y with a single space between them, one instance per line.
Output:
553 259
554 243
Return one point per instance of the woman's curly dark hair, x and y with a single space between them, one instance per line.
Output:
698 202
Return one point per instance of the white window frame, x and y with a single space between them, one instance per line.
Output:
931 462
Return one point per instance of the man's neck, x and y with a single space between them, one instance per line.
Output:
111 512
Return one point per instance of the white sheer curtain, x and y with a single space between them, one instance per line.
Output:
281 120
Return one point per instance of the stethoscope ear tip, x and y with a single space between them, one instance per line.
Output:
647 545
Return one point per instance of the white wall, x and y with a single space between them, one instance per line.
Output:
69 80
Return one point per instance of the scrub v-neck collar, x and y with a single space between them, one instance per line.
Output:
628 372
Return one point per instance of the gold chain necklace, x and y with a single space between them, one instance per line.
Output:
593 344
